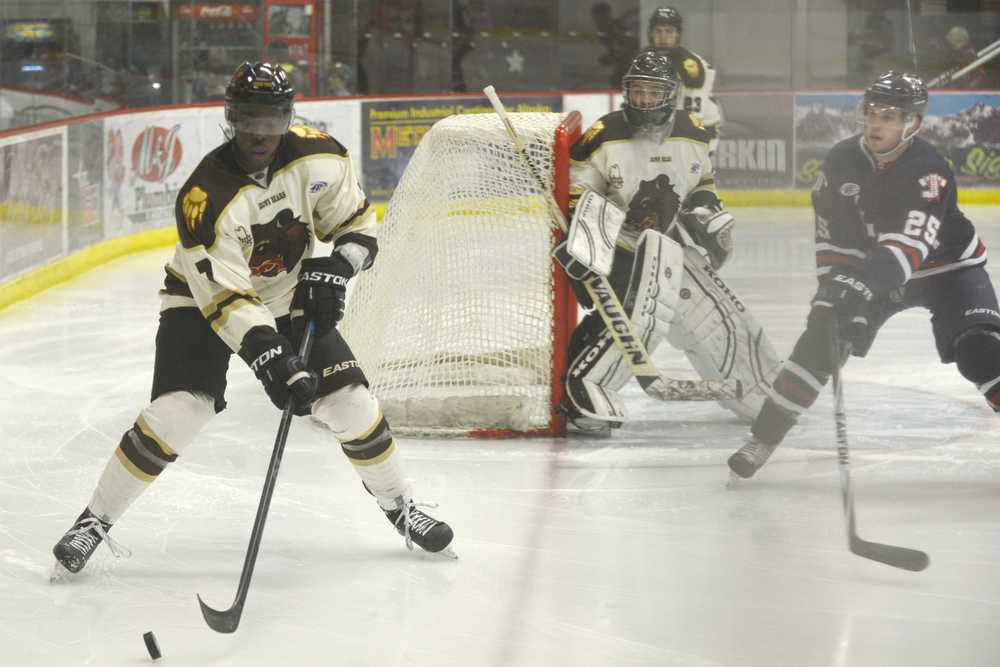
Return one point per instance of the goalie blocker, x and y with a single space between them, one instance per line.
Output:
675 294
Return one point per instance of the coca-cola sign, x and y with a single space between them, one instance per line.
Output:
156 153
217 12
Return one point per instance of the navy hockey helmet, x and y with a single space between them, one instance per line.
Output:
259 99
651 89
900 90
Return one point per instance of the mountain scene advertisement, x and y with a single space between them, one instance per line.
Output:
964 127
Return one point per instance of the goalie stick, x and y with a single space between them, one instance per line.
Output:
901 557
611 311
227 621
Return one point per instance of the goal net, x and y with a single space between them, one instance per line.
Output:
462 323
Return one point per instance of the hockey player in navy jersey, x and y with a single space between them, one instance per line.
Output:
889 236
243 280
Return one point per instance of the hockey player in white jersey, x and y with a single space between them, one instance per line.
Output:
697 76
243 279
650 160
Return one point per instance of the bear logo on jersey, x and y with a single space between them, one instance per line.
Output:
278 245
654 205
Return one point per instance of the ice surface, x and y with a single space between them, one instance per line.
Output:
625 551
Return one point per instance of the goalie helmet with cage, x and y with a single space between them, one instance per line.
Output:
650 89
897 90
259 99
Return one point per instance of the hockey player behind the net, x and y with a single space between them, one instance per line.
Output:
650 160
242 279
696 74
889 236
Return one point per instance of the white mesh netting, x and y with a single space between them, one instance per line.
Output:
453 323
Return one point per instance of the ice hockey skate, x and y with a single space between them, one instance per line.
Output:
749 458
80 542
419 527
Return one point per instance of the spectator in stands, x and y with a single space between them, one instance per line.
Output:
279 53
961 52
620 43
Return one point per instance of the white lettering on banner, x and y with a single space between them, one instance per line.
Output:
751 154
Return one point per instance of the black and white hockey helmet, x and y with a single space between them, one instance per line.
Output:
259 99
900 90
666 16
651 89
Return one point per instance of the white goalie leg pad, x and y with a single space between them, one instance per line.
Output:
720 337
599 371
354 416
654 287
594 378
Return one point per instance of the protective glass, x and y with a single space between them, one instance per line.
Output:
259 118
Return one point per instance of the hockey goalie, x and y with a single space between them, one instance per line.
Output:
647 216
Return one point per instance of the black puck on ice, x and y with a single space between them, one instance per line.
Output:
151 645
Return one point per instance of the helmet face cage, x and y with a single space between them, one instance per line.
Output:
650 73
896 90
259 99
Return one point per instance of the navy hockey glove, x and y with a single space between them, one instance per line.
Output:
852 300
274 362
320 294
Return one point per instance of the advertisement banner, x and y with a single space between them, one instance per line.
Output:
149 156
84 204
391 130
755 148
31 200
964 127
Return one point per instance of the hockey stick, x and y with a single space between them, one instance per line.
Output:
228 620
901 557
985 55
610 309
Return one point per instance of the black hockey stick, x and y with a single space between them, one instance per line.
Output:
901 557
609 307
228 620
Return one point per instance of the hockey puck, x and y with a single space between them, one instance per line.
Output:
151 645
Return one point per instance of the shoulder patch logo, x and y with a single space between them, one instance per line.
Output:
317 186
592 131
932 185
193 206
307 132
850 189
691 67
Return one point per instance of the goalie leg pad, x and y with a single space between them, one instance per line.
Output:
720 337
654 286
596 372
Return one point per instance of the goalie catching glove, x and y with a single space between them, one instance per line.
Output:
711 229
271 357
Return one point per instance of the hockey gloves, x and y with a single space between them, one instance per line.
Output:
319 296
852 301
712 230
275 363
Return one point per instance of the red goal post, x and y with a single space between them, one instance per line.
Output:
462 325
